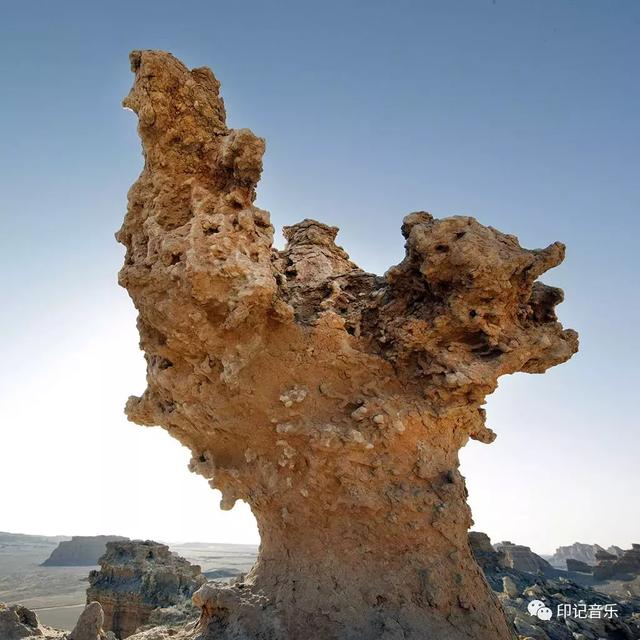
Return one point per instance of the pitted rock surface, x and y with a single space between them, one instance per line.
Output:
331 400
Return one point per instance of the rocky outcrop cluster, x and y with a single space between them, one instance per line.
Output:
90 625
578 566
568 599
498 565
17 622
577 551
135 578
517 588
80 551
582 552
333 401
519 557
624 567
490 560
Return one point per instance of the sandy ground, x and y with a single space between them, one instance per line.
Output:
57 594
60 617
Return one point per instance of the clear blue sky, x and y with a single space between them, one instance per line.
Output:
523 114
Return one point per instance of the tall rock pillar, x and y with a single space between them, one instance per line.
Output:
333 401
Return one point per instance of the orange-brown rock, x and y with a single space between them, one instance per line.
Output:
332 400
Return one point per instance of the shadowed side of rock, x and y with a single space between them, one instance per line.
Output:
520 557
625 567
80 551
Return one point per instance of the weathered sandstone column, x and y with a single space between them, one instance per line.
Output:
332 400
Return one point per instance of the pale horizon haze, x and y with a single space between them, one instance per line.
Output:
522 114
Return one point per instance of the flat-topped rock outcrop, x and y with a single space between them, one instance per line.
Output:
520 557
80 551
137 577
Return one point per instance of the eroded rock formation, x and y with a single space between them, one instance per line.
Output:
89 625
516 588
17 622
332 400
624 567
135 578
518 556
578 566
576 551
581 551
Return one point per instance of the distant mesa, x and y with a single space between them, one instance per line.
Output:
221 573
80 551
583 552
10 541
521 558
